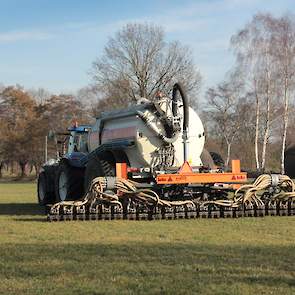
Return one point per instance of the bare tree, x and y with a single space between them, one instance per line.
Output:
284 44
137 62
257 63
223 109
40 95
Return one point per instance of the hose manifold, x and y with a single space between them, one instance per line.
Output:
275 179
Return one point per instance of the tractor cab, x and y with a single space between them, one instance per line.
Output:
78 140
75 145
75 140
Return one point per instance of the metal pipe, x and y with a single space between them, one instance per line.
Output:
46 149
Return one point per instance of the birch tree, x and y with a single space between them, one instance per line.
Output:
256 61
284 44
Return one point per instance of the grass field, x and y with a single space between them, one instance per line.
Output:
244 256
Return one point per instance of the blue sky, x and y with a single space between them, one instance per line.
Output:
51 44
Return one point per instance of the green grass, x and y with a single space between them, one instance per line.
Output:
232 256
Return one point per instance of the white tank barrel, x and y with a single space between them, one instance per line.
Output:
152 148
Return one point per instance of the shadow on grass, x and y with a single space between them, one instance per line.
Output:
21 209
138 268
33 219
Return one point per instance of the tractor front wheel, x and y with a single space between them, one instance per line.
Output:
69 183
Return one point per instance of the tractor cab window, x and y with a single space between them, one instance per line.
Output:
78 142
83 147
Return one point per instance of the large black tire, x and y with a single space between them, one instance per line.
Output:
290 161
207 159
69 183
217 159
98 166
45 188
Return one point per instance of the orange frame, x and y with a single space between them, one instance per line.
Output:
121 170
186 175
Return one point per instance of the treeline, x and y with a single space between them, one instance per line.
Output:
137 62
26 117
248 116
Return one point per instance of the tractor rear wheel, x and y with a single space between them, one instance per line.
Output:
98 167
69 183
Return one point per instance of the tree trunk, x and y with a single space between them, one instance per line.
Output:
267 127
37 167
23 168
285 126
12 168
228 154
257 129
1 167
265 142
31 168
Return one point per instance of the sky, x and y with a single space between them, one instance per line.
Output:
51 44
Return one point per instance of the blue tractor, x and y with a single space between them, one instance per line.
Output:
62 178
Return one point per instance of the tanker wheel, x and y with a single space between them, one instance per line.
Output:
207 159
217 159
45 189
98 167
69 183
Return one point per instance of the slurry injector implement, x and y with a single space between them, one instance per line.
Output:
148 162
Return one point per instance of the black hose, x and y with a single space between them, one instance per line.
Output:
179 88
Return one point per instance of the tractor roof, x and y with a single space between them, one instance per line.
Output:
80 128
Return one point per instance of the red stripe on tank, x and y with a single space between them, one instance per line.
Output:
118 133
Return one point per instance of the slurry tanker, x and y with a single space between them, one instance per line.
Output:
148 162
